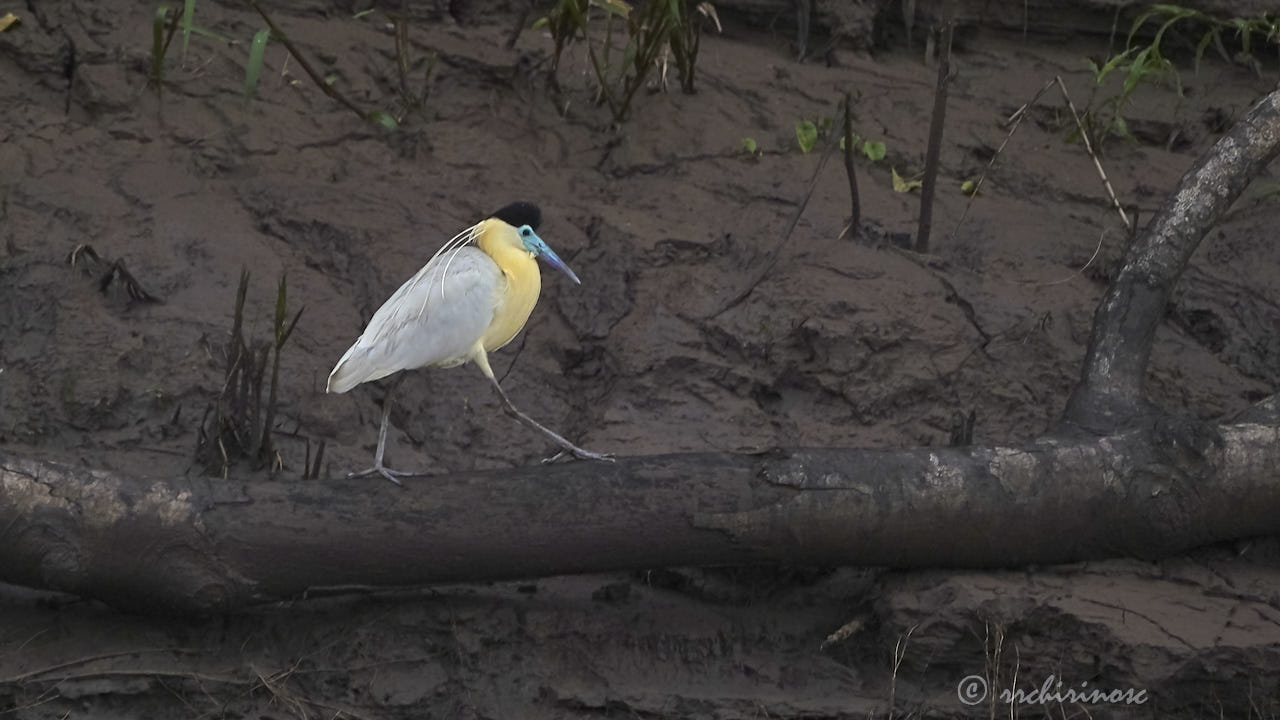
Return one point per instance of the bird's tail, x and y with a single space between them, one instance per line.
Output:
355 367
341 379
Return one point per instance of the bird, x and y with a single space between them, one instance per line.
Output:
471 298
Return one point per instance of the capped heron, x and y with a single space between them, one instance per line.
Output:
472 297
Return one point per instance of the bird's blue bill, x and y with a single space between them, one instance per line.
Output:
540 248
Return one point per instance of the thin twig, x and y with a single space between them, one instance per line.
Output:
327 88
1101 236
520 23
274 684
402 52
772 257
1016 118
315 470
1089 147
33 674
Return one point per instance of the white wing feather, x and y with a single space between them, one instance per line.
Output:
435 319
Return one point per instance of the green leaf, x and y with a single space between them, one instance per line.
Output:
384 119
1111 65
968 187
1245 32
902 185
1174 13
874 151
1138 70
540 23
1201 46
362 13
1139 21
806 135
1121 127
253 71
749 144
614 7
1181 14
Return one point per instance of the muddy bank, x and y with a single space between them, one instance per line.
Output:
842 343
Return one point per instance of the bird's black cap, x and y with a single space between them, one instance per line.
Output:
520 213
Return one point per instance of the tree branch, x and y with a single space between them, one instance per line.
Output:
1111 392
189 545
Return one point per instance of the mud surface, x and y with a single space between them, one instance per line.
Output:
844 342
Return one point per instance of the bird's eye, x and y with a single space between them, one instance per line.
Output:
525 232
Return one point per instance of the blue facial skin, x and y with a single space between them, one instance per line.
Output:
535 245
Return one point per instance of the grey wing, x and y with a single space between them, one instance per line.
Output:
435 319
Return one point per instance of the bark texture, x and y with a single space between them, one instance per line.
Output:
196 546
1110 394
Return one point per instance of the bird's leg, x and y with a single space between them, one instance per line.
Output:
378 467
568 446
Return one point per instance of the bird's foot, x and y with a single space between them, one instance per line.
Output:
385 472
580 454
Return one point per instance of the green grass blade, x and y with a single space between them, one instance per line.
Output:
253 71
1111 65
1246 37
1169 23
1205 41
1141 67
157 45
1138 22
188 14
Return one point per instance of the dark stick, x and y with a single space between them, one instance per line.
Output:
402 52
514 37
929 186
855 217
803 10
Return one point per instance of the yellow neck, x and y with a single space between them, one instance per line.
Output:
524 282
